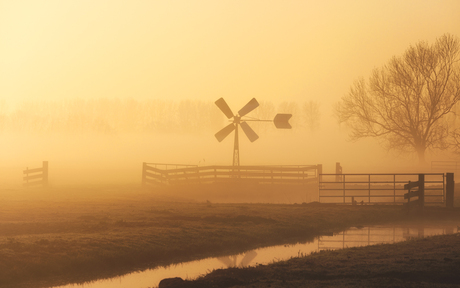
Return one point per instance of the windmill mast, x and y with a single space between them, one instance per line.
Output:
236 149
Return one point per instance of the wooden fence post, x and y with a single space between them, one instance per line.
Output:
420 193
37 173
421 189
338 171
450 184
369 186
319 171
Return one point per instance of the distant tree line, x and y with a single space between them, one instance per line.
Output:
113 116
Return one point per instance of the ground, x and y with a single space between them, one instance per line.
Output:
428 262
70 235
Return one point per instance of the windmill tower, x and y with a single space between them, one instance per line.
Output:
281 121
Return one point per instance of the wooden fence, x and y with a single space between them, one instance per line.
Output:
415 189
183 174
378 188
38 175
445 166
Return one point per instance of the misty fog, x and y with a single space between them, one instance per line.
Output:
97 89
106 141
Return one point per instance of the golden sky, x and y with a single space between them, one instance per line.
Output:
271 50
182 49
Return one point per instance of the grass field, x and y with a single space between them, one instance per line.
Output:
426 262
58 236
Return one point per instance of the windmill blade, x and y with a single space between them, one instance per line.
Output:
224 132
227 261
224 107
249 132
248 258
282 121
253 104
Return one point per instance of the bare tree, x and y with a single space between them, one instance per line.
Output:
404 102
311 114
454 125
112 116
265 111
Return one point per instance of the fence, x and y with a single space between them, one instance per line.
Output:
183 174
445 166
37 173
377 188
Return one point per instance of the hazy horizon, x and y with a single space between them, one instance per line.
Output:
83 146
60 60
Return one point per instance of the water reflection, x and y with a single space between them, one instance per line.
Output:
231 261
378 235
190 270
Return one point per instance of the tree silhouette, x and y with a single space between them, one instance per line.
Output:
112 116
311 114
265 111
405 101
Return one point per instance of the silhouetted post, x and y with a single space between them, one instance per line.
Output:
420 193
421 189
319 171
45 173
394 188
338 172
450 184
369 186
319 168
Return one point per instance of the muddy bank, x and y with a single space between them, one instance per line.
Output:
427 262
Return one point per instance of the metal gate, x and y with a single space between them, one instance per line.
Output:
377 188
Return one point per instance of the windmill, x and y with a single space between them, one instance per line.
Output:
280 121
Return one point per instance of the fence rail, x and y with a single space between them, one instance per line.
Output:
377 188
36 173
301 174
445 166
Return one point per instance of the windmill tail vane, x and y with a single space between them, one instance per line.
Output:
281 122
